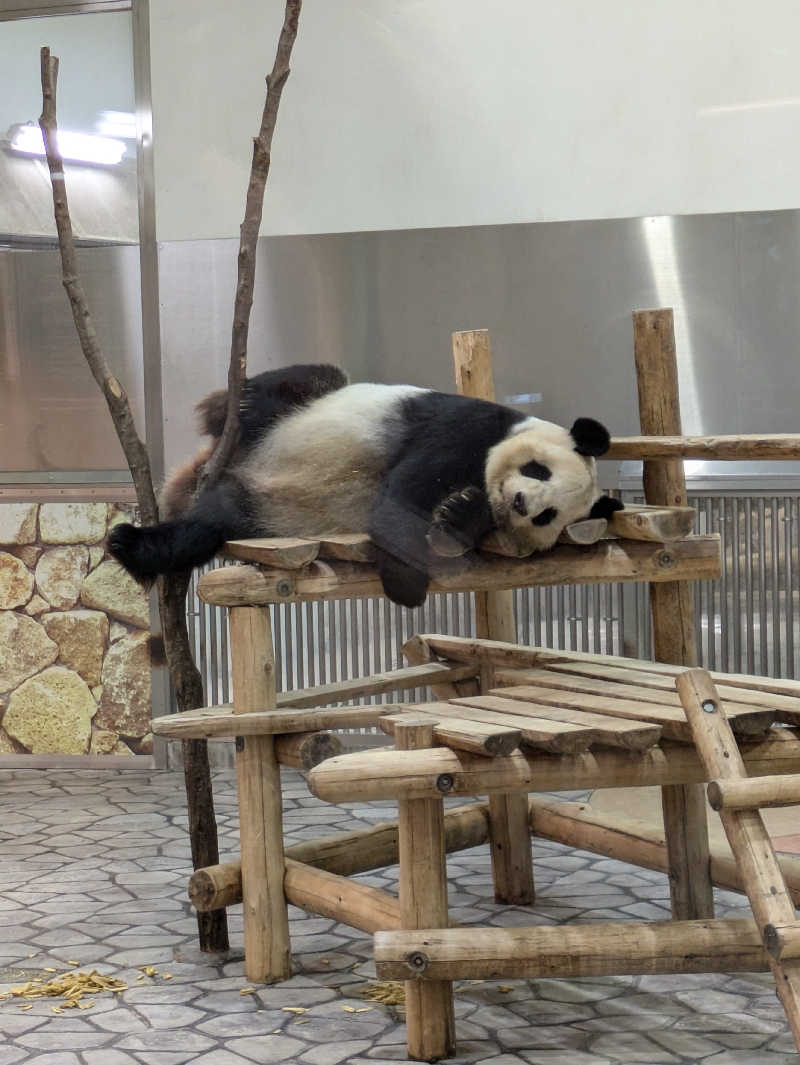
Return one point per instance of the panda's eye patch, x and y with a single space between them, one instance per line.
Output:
545 517
536 470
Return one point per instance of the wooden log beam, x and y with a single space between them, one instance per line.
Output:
216 723
622 948
266 922
344 853
752 793
460 734
329 895
425 774
430 1018
671 605
735 448
628 839
696 558
659 524
782 940
304 750
761 874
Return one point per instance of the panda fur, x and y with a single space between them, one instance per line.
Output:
411 466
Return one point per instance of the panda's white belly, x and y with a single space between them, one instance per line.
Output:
319 472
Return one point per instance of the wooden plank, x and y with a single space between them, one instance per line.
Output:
348 547
196 725
433 673
670 718
538 657
418 654
266 924
696 558
278 552
660 524
491 741
630 733
560 737
569 951
588 531
430 1019
734 448
749 840
745 719
786 707
365 776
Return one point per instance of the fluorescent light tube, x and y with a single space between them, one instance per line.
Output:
78 147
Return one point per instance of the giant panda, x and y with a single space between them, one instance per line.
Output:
425 473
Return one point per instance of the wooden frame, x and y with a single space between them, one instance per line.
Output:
655 548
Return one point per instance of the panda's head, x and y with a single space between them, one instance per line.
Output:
542 477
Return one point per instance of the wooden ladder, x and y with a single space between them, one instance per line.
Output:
738 798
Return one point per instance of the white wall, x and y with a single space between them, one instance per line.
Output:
415 113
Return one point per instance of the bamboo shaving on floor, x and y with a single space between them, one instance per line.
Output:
387 992
73 987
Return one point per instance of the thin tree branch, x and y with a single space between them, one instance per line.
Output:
248 240
186 680
116 398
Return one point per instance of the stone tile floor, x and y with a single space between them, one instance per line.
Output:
94 870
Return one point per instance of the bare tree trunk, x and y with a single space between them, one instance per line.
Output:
172 589
213 935
248 241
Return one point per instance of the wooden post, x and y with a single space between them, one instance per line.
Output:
266 923
750 844
512 859
671 606
430 1018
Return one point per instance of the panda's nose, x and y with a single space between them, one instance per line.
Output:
519 504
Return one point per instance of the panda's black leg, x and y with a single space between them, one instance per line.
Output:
460 521
402 583
220 514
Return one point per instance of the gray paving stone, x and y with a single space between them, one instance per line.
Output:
333 1053
268 1050
170 1016
632 1046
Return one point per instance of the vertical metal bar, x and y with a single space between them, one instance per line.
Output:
748 568
762 589
777 642
789 541
733 534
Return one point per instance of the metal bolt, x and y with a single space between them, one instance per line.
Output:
444 782
666 560
709 706
284 587
418 961
239 744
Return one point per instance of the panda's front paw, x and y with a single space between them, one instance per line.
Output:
605 507
459 521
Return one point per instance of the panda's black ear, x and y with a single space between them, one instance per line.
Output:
591 438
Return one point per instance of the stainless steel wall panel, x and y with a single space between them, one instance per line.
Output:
52 415
556 297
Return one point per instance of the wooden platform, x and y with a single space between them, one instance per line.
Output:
305 571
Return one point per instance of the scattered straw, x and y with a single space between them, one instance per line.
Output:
71 987
388 992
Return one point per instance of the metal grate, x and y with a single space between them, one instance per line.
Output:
746 622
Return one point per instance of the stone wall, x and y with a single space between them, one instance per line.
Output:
74 627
